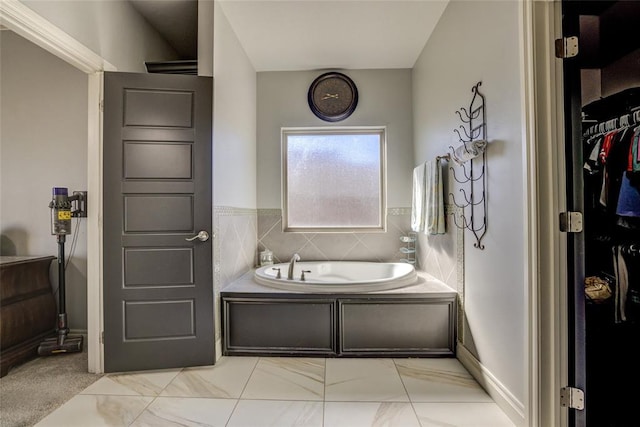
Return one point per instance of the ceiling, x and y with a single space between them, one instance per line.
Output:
279 35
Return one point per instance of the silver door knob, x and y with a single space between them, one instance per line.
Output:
203 236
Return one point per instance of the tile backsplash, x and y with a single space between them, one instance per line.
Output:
442 255
234 249
349 246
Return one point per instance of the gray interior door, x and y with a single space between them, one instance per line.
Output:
158 286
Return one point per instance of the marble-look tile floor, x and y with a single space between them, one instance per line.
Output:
281 392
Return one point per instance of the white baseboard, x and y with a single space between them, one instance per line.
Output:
511 406
218 349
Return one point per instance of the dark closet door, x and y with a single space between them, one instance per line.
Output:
158 286
575 202
606 330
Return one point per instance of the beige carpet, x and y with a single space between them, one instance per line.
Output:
32 390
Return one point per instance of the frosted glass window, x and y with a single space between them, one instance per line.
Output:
333 180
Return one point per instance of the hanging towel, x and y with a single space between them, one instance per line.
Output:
468 151
434 199
418 199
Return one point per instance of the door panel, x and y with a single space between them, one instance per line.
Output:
158 287
158 213
171 160
158 108
158 267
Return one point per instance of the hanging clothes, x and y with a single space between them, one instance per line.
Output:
615 158
622 285
629 198
634 158
631 255
612 205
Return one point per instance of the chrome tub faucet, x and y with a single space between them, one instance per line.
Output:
292 264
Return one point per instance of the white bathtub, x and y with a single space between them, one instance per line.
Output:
338 276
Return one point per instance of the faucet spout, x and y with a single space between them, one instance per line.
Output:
292 264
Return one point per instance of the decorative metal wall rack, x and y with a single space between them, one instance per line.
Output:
474 178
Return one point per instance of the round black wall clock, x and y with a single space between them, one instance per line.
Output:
333 97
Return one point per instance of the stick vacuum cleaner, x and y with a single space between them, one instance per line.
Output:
61 214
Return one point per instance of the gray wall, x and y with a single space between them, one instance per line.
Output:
112 29
234 128
477 41
43 144
234 160
384 100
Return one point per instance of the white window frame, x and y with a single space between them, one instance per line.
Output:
382 214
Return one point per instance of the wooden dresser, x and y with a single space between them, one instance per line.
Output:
27 308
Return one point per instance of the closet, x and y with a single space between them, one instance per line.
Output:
609 61
612 257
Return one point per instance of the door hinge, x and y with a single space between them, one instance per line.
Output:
567 47
571 222
102 337
572 398
101 105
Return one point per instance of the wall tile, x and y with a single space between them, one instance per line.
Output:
333 246
235 248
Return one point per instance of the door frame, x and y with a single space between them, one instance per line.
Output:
546 174
20 19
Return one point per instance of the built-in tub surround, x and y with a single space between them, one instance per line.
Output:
242 233
338 276
416 320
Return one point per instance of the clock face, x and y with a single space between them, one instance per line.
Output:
333 97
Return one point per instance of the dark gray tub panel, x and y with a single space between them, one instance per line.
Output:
366 325
407 326
273 326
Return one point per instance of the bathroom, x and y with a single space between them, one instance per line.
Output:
418 107
472 42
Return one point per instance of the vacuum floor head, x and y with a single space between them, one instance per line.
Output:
51 346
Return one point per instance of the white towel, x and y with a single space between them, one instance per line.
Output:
434 199
469 151
418 199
